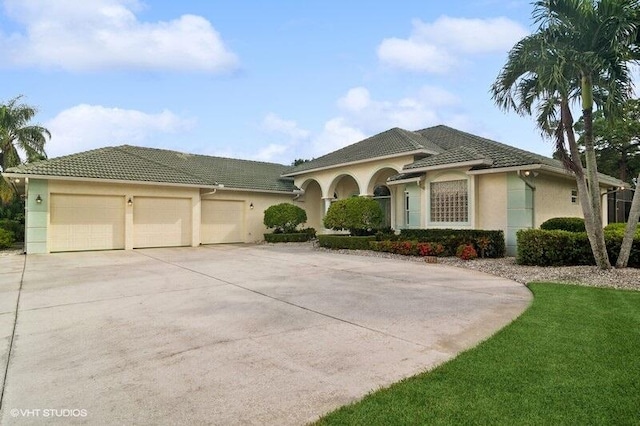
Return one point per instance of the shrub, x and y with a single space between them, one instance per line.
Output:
284 217
571 224
336 242
298 237
563 248
14 226
359 215
466 252
6 238
617 229
486 243
410 248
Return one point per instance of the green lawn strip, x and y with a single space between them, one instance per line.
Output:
572 358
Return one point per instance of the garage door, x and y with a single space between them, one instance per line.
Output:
222 222
86 222
161 222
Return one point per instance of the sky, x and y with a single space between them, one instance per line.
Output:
268 81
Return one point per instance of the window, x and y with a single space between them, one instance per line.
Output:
449 201
574 196
382 195
407 220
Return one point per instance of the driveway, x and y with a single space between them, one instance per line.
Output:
236 334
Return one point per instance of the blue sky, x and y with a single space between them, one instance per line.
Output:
270 81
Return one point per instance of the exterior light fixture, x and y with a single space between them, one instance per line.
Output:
251 206
130 202
527 172
39 199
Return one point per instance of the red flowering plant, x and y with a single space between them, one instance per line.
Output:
466 252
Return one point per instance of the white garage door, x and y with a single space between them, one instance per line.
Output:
86 222
222 222
161 222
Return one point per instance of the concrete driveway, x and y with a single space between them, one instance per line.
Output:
241 334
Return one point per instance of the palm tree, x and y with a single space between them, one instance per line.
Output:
17 135
581 51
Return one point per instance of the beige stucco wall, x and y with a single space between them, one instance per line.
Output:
491 201
552 198
254 228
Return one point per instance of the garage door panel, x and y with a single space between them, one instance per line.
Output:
161 222
86 222
222 222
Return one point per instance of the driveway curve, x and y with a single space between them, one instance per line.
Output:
233 334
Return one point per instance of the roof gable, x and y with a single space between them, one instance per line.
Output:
392 142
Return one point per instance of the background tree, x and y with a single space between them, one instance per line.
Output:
16 136
617 141
299 161
580 52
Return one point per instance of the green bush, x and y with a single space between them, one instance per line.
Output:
284 217
540 247
407 248
571 224
358 215
298 237
14 226
486 243
619 228
349 242
6 239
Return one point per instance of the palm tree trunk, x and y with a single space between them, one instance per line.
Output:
581 180
630 230
598 244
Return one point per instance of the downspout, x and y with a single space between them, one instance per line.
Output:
299 193
525 176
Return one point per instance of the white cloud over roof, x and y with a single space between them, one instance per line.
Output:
106 34
85 127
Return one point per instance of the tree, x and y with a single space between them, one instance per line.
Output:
284 217
580 52
360 215
299 161
17 135
617 141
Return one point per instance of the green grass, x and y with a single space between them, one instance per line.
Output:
572 358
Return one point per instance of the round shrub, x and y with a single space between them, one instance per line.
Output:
360 215
6 239
284 217
571 224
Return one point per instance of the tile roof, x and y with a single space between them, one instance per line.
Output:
463 154
394 141
451 141
131 163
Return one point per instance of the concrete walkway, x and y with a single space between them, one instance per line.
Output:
241 334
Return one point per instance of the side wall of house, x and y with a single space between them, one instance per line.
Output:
552 198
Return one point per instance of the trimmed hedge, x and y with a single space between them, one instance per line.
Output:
619 228
571 224
486 243
6 239
407 248
540 247
348 242
298 237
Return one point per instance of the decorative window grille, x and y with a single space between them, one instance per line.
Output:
449 201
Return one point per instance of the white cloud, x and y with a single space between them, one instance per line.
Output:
99 34
336 134
355 100
272 153
436 47
276 124
85 127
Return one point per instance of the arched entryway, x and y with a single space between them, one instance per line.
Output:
344 186
311 202
382 194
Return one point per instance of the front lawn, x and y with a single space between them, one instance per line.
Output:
572 358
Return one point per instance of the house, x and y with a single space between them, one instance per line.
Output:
131 197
